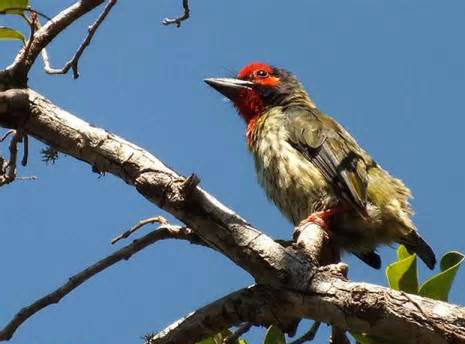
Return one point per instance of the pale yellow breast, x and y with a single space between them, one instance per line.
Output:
293 183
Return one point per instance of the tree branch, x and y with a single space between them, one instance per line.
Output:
178 20
164 232
232 339
362 307
292 286
217 225
308 337
16 73
73 63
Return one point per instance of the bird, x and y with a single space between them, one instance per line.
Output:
314 170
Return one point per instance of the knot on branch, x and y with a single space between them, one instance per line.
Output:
164 187
14 108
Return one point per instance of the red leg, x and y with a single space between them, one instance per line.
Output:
320 217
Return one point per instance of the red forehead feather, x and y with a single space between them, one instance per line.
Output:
247 70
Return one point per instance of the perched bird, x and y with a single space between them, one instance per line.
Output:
314 170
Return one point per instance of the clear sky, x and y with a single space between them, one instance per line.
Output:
392 72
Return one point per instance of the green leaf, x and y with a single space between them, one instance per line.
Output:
364 339
402 252
7 33
208 340
18 5
274 335
438 286
402 275
219 338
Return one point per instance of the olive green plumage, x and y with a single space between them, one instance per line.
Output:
307 162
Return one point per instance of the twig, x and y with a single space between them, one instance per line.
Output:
308 337
159 219
164 232
8 170
239 332
24 60
178 20
73 63
33 26
338 336
8 133
26 149
27 178
6 10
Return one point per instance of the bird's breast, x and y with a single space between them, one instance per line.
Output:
291 181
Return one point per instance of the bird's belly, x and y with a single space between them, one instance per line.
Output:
291 181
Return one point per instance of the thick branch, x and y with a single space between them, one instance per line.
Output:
294 285
217 225
361 307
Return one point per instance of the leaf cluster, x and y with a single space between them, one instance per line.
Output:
13 7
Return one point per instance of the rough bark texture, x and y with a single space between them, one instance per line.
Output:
291 285
360 307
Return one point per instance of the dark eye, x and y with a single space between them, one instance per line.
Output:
261 73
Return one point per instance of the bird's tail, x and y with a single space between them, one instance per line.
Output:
415 244
371 258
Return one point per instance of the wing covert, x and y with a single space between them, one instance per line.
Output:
330 148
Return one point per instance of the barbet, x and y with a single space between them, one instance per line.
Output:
313 169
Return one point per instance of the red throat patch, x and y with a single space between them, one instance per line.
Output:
250 129
250 106
249 103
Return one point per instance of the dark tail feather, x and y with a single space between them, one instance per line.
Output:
415 244
370 258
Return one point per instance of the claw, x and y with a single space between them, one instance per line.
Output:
321 217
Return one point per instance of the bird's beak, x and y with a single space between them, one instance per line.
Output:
229 87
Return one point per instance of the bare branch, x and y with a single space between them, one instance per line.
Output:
380 311
8 133
308 337
162 233
292 287
239 332
8 168
140 224
178 20
73 63
216 225
338 336
260 305
26 149
27 178
18 70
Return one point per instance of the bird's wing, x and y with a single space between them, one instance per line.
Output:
329 147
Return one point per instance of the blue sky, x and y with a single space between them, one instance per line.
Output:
392 72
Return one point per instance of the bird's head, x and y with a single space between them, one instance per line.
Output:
257 87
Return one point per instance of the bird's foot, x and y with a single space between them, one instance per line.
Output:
321 217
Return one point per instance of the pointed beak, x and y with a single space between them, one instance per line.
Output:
229 87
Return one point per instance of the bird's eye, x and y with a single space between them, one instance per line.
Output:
261 73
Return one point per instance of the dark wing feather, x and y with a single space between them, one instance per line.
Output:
330 148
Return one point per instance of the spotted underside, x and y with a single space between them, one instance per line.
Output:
299 188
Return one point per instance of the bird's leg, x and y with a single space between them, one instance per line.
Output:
321 217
